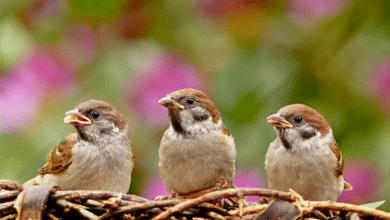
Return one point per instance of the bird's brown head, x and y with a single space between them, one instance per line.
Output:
189 106
95 117
298 119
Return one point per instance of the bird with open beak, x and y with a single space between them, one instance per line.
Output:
304 156
98 156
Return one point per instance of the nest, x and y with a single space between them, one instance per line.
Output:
48 202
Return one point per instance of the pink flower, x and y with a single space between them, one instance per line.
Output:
162 75
365 178
250 178
27 84
154 187
380 84
18 104
307 12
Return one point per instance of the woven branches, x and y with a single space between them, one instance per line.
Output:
52 203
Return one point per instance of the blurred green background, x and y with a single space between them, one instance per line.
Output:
252 57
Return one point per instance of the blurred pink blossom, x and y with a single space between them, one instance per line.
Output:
365 178
246 178
79 45
219 7
18 105
250 178
307 12
27 84
154 187
380 84
162 75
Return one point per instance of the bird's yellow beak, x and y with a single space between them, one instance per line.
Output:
169 103
278 121
74 117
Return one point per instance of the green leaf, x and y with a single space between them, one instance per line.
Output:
374 205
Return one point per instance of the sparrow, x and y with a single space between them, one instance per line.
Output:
98 156
196 152
305 156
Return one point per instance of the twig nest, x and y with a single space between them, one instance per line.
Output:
52 203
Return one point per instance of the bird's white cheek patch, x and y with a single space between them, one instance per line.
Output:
116 129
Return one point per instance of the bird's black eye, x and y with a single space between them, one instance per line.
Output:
298 119
95 114
190 101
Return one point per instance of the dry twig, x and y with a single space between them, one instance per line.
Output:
5 195
81 209
339 206
88 194
6 205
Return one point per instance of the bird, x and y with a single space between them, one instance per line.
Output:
196 152
97 156
305 156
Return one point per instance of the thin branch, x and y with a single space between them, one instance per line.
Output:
215 215
9 185
211 207
142 206
9 217
51 216
79 208
339 206
249 209
6 205
94 203
94 194
4 195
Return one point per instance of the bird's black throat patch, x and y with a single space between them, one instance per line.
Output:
308 134
83 134
201 117
282 135
176 122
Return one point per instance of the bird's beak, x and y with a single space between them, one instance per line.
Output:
74 117
278 121
169 103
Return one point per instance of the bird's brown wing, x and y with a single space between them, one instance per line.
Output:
60 157
340 161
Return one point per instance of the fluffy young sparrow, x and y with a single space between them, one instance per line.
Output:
304 156
98 156
196 151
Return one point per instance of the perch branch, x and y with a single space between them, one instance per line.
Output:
4 195
9 185
339 206
79 208
215 215
209 206
238 192
9 217
84 194
249 209
142 206
6 205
